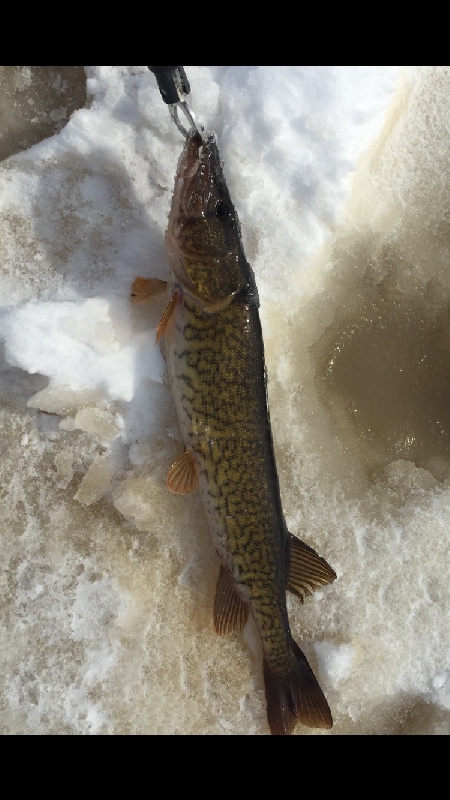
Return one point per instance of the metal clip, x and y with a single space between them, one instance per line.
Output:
190 116
174 87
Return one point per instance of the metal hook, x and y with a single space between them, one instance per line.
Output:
189 114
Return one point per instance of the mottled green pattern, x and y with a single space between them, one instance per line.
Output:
224 396
217 374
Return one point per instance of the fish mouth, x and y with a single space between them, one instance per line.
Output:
199 177
199 184
197 236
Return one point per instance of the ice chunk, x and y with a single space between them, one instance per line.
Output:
140 500
96 482
97 421
61 400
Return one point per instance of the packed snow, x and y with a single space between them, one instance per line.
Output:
107 581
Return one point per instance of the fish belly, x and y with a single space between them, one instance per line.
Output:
196 427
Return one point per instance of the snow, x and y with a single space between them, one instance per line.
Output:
80 345
335 662
340 177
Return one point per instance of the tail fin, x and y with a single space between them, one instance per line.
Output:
295 697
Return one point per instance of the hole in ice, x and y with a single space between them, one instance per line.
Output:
385 374
37 102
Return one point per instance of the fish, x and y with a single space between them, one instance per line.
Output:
215 359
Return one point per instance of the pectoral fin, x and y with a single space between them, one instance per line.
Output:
308 571
183 475
148 291
230 612
166 317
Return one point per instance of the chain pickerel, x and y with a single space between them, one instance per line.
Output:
215 357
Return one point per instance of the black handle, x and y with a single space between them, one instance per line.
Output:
158 70
171 81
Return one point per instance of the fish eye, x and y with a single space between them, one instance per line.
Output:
223 211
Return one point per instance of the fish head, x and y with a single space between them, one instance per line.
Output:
204 237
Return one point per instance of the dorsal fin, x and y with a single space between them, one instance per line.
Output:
308 572
230 612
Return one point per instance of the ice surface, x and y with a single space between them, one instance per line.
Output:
64 464
107 581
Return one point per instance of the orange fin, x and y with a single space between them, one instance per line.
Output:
230 612
295 696
183 475
308 571
148 291
166 317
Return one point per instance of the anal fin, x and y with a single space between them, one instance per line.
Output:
182 477
230 612
167 317
148 291
308 572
